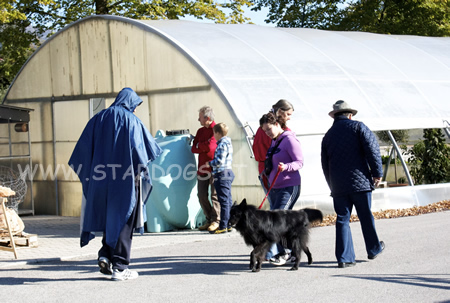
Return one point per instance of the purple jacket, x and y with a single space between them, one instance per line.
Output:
290 153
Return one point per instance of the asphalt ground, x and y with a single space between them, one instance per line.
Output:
194 266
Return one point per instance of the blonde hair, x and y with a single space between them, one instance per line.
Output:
221 128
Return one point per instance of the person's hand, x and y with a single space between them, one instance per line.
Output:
207 165
282 166
376 181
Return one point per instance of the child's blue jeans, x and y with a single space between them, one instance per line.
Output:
222 184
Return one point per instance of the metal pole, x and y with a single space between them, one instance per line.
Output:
446 129
405 167
54 157
249 138
10 144
447 132
30 176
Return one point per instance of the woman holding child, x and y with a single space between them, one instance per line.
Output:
286 154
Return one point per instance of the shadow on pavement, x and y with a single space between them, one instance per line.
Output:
429 281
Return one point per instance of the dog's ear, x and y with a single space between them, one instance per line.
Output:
244 202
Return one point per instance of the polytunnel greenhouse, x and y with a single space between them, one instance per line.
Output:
176 67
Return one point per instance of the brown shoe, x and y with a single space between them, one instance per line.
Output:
204 226
213 226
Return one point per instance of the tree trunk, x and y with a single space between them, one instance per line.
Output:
101 7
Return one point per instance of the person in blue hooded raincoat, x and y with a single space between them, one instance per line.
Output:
111 159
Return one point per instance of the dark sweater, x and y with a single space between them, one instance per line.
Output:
350 157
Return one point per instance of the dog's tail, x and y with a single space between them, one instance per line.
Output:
313 214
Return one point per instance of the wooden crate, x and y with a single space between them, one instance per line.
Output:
21 240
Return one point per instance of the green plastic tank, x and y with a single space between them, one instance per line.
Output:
173 202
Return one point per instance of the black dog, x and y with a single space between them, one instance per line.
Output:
263 228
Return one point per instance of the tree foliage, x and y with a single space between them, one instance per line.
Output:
430 159
57 14
16 46
11 10
401 17
9 13
301 13
17 40
401 135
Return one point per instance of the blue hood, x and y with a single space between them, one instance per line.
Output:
127 99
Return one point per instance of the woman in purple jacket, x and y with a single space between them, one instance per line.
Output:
286 153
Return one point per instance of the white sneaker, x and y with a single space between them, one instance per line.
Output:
124 275
279 260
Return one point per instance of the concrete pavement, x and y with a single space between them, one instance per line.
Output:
193 266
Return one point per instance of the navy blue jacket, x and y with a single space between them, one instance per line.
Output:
350 157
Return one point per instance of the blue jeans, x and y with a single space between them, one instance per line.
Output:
282 198
222 184
343 206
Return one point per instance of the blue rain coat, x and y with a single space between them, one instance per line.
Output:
113 150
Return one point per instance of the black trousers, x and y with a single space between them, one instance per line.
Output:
120 255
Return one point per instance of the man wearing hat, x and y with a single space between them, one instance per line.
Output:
351 163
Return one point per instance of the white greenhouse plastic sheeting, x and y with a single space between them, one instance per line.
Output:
395 82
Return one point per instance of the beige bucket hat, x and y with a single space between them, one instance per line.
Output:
341 106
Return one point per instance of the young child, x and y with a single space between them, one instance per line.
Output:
223 175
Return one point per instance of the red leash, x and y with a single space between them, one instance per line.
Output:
273 182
